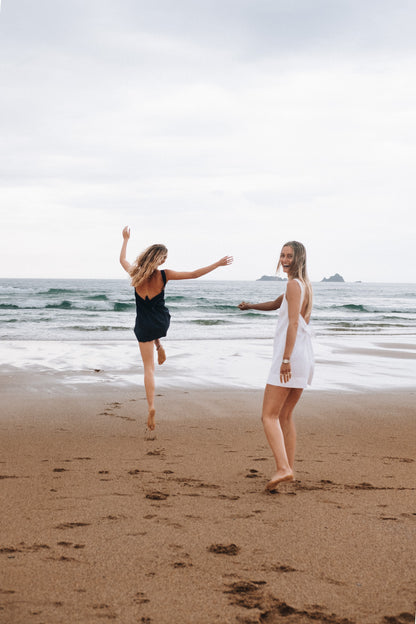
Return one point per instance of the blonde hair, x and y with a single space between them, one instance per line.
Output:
146 264
298 270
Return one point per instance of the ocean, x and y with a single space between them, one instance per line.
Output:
365 333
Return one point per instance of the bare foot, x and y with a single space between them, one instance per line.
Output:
151 419
149 435
161 355
279 477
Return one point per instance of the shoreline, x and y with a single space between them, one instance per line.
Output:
347 363
100 521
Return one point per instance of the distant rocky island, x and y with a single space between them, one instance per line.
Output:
271 278
275 278
334 278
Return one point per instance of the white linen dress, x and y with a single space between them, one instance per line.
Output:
302 359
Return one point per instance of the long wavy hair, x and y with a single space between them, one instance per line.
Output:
298 270
146 264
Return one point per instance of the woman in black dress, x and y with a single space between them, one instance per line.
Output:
153 318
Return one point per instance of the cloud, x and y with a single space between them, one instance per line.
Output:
207 123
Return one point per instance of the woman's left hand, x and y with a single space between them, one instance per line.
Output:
285 372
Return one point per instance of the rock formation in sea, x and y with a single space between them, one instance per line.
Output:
334 278
271 278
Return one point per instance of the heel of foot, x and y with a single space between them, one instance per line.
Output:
151 419
272 485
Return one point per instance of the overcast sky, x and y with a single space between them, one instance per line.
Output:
214 126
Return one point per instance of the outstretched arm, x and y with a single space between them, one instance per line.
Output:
266 306
182 275
124 263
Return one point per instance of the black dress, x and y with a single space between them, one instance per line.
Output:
152 316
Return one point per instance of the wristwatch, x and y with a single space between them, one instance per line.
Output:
285 361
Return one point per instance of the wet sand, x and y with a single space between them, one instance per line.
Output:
101 522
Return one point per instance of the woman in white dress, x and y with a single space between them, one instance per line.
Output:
292 366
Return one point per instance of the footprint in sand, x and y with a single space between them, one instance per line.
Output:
8 550
403 460
149 436
70 545
402 618
140 598
246 594
72 525
156 495
249 594
105 611
224 549
252 474
282 568
364 486
231 497
115 406
22 547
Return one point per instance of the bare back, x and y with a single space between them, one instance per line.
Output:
152 286
305 307
305 304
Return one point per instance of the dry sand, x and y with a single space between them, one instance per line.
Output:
99 523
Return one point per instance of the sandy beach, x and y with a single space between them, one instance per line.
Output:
99 522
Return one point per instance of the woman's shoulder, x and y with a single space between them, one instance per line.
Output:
155 279
294 285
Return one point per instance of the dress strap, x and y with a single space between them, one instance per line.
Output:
163 276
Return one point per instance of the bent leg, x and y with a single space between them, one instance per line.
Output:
273 401
147 353
287 423
161 355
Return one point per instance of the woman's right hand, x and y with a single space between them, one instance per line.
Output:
126 233
244 306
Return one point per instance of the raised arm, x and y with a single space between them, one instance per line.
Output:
182 275
266 306
124 263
